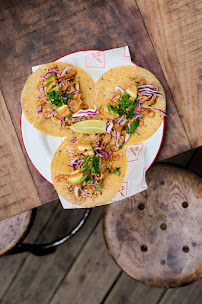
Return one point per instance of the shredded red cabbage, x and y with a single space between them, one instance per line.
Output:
85 113
94 180
118 135
65 69
50 114
104 152
51 72
109 127
146 107
72 140
118 88
40 109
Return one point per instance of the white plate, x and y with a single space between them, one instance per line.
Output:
40 147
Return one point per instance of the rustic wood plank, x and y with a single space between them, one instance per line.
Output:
35 25
175 30
11 264
91 275
129 291
17 192
184 295
47 273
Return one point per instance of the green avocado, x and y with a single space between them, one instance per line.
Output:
60 108
51 75
131 93
77 178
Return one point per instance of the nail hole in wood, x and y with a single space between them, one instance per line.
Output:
185 204
185 249
144 248
163 262
163 226
141 206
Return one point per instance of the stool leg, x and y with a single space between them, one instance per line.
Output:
43 249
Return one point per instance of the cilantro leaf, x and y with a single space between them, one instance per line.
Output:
117 171
55 98
112 109
121 146
90 181
133 126
98 187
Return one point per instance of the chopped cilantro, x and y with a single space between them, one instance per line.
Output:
121 146
133 126
112 109
98 187
109 170
90 181
117 171
91 164
125 106
55 98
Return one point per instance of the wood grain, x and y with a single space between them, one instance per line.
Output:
35 32
12 230
130 291
92 274
48 272
175 30
17 192
155 236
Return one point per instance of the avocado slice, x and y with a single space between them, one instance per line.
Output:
132 92
86 149
107 114
77 177
51 75
60 108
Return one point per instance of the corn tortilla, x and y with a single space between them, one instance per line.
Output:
111 184
122 76
30 95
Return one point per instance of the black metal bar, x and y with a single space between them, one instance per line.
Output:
42 249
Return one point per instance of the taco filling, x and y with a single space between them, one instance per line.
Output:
124 111
60 98
89 165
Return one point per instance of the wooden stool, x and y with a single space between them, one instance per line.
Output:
13 230
156 235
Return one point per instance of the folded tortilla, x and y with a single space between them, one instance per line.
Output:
122 76
30 95
111 184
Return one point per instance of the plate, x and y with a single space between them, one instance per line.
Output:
40 147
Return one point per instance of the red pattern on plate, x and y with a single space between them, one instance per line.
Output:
95 60
133 153
122 193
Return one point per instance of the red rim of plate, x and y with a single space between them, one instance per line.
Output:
21 120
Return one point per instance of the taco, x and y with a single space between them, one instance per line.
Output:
88 173
56 96
132 102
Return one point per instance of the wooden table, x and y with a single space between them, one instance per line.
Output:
163 36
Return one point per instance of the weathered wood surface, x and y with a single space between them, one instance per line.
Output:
175 31
12 230
48 272
17 189
81 260
155 236
35 32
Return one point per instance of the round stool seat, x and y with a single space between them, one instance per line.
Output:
156 235
12 230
